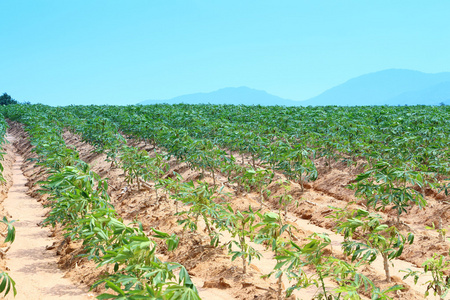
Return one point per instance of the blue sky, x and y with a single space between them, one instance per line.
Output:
123 52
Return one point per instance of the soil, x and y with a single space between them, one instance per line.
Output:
211 269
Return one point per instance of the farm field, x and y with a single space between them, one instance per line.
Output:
239 202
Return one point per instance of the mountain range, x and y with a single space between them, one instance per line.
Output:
387 87
230 95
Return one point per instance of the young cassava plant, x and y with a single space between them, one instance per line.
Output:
241 225
374 238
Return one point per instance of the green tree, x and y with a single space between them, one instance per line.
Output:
6 99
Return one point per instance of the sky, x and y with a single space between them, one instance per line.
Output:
123 52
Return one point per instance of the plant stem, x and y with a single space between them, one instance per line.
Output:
207 227
280 287
323 284
261 197
386 266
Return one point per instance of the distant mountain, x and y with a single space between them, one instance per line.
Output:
433 95
391 87
230 95
388 87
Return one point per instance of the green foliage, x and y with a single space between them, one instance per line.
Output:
297 162
200 199
11 230
270 232
256 179
6 282
374 238
6 99
80 203
385 185
316 255
172 240
135 163
285 199
437 267
241 225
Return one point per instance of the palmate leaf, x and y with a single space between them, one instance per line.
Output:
186 279
171 240
11 235
109 296
180 292
6 284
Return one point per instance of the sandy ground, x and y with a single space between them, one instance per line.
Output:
33 268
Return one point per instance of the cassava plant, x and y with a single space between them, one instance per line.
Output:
135 164
241 225
386 185
317 255
156 168
297 163
173 187
437 267
271 229
257 179
200 199
285 198
6 282
374 238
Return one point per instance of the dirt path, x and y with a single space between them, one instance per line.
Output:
34 268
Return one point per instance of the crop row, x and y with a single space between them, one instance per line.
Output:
80 204
390 179
245 227
417 136
6 282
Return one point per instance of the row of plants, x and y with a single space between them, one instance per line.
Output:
206 155
80 204
140 167
393 134
294 159
383 184
202 136
397 135
247 227
7 284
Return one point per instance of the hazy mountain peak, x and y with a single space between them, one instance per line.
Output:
391 86
229 95
378 88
